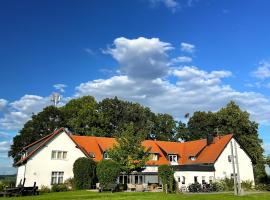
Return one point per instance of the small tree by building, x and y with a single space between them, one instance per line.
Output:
84 170
107 172
129 152
165 172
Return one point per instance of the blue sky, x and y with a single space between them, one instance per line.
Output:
175 56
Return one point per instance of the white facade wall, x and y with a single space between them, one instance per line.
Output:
189 177
224 168
40 166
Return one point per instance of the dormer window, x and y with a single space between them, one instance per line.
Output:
105 155
154 156
173 158
192 158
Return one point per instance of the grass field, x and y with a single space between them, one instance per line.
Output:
81 195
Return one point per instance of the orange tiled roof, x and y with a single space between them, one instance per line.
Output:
96 146
184 150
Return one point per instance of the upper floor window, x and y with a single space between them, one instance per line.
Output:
192 158
59 155
154 156
229 158
173 158
105 155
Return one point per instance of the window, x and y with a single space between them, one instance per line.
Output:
57 178
195 179
64 155
211 178
179 179
154 156
173 158
105 155
229 158
53 154
192 158
59 155
203 180
138 179
183 180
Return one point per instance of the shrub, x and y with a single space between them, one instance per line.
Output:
228 184
166 174
247 185
44 189
107 172
262 187
2 186
84 170
59 188
218 187
70 183
195 187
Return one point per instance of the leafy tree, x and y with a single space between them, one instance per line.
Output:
164 128
83 118
120 113
39 126
84 170
165 173
107 172
230 119
267 160
129 152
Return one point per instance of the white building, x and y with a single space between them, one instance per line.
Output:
50 160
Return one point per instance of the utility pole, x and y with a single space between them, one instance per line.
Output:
234 177
239 190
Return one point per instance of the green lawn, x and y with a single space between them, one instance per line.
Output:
80 195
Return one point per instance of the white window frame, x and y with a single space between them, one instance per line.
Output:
105 155
57 177
173 158
154 156
59 155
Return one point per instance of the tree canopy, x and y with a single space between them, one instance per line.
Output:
129 152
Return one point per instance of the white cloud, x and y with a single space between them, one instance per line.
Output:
141 58
4 148
172 5
262 71
186 47
3 103
89 51
61 87
180 59
20 111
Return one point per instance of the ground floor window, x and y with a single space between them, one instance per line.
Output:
57 178
183 180
195 179
211 178
138 179
203 180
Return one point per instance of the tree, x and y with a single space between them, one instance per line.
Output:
83 118
129 152
41 124
84 170
165 173
120 113
164 127
107 172
230 119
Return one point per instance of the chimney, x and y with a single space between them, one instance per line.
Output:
210 139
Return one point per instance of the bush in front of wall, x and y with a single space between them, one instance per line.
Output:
84 170
44 189
2 186
70 183
165 173
59 188
247 185
218 186
107 172
228 184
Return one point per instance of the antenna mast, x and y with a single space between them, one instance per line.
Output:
55 98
